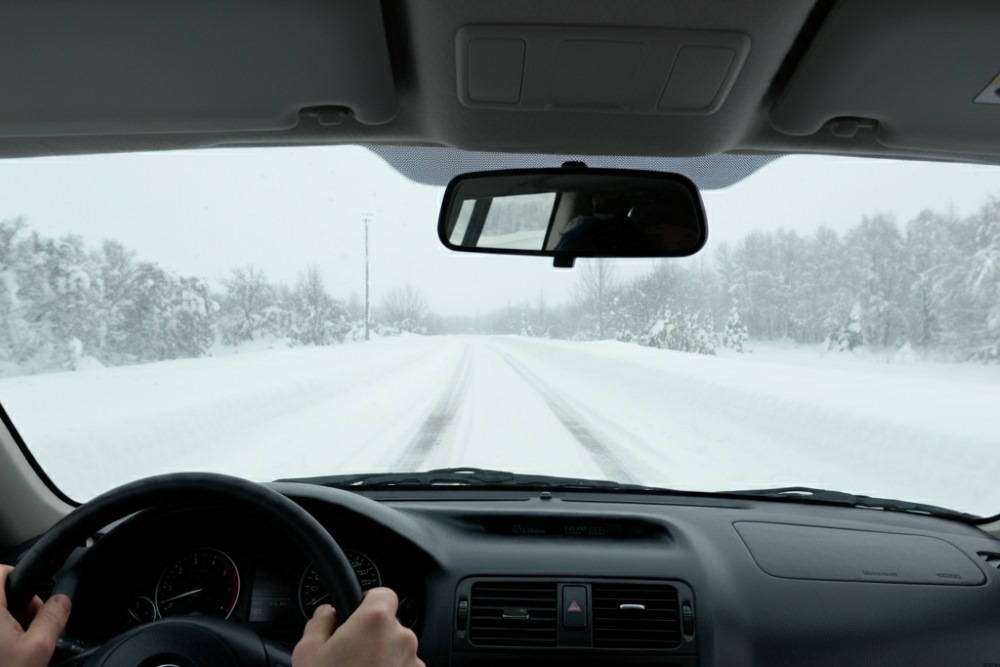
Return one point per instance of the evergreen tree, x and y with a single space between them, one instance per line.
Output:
849 337
735 336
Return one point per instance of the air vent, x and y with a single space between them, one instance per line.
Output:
513 613
992 559
636 616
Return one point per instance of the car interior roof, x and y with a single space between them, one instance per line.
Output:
898 78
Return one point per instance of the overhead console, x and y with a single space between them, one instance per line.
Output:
631 70
918 74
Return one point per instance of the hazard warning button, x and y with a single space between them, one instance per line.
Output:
574 607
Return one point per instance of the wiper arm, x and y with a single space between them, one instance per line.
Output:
827 497
462 477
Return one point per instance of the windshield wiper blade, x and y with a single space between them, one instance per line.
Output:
827 497
463 477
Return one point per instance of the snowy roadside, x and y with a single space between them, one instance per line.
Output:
263 414
691 421
923 432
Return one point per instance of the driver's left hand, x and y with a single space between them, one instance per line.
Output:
32 647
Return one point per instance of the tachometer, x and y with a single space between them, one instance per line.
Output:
140 610
204 582
312 592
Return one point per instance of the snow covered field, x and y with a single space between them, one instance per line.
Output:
780 416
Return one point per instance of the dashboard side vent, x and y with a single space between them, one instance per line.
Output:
992 559
636 616
513 613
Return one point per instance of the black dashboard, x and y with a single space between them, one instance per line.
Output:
577 578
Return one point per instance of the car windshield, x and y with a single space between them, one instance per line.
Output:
206 310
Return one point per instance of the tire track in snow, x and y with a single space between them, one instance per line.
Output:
574 421
438 420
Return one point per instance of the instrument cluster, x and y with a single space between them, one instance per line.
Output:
182 565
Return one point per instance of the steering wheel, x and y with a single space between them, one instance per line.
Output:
191 640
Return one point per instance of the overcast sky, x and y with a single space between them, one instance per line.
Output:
202 213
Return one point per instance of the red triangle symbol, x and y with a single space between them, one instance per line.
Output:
574 607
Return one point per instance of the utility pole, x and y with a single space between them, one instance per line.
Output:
366 218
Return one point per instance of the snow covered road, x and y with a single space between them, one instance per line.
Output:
600 410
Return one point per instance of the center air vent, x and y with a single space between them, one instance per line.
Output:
513 613
636 616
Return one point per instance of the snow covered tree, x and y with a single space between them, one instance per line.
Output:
876 252
972 285
849 337
190 318
316 318
680 331
760 286
50 299
735 335
927 247
249 307
985 283
165 317
829 295
18 338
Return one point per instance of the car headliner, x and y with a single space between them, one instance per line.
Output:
900 78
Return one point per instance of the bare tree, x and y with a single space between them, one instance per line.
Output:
404 307
595 290
247 305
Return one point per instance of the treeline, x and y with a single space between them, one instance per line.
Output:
932 283
62 304
669 307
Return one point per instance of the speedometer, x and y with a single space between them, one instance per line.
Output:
312 592
204 582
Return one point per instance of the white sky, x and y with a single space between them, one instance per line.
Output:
202 213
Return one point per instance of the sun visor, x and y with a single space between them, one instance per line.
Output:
923 74
631 70
160 66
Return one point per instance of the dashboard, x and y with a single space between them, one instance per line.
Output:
575 578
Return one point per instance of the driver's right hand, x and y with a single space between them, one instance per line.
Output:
371 637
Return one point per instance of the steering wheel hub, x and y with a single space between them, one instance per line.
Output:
184 642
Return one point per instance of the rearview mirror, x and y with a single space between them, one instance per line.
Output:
573 212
